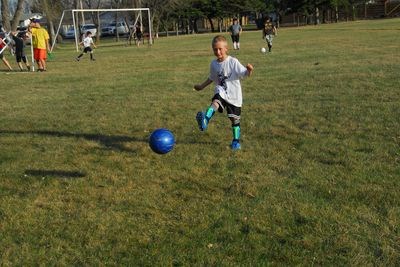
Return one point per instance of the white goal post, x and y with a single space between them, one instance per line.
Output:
74 11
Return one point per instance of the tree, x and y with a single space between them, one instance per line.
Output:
95 4
7 22
5 14
51 10
159 8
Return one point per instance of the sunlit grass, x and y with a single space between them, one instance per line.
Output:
315 183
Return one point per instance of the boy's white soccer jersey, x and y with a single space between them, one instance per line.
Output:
226 76
87 41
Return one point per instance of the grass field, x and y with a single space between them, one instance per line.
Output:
316 182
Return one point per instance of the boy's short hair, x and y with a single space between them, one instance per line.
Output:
88 32
218 38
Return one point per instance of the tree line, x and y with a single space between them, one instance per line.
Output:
184 14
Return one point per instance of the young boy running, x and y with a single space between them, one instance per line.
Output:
19 39
225 72
87 43
268 32
5 61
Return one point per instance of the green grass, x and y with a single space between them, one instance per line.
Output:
316 182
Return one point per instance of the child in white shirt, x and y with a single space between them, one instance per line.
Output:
225 72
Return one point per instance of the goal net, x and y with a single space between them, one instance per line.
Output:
104 22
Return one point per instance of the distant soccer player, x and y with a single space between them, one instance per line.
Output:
40 43
225 72
138 34
19 40
269 31
5 61
236 30
87 43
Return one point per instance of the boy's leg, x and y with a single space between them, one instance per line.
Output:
211 110
234 116
91 56
269 40
43 61
40 59
236 137
6 63
203 118
235 145
18 57
79 57
26 63
85 50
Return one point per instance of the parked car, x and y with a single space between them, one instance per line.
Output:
111 28
89 27
69 33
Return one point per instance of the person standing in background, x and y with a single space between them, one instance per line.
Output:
236 30
40 43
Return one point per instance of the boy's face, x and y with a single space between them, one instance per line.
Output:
220 49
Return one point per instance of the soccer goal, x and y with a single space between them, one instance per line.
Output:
134 18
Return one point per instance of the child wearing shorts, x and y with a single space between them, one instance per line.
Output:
225 73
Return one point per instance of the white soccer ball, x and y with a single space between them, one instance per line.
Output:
263 50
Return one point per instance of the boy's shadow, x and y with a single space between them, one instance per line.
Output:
55 173
112 142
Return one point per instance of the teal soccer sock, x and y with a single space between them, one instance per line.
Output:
210 112
236 132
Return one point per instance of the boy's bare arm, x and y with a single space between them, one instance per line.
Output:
249 68
47 45
199 87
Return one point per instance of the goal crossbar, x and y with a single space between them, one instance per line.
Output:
73 11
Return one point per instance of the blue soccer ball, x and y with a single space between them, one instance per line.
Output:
162 141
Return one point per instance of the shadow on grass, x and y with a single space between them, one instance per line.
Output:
14 71
55 173
112 142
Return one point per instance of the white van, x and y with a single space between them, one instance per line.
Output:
109 29
89 27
